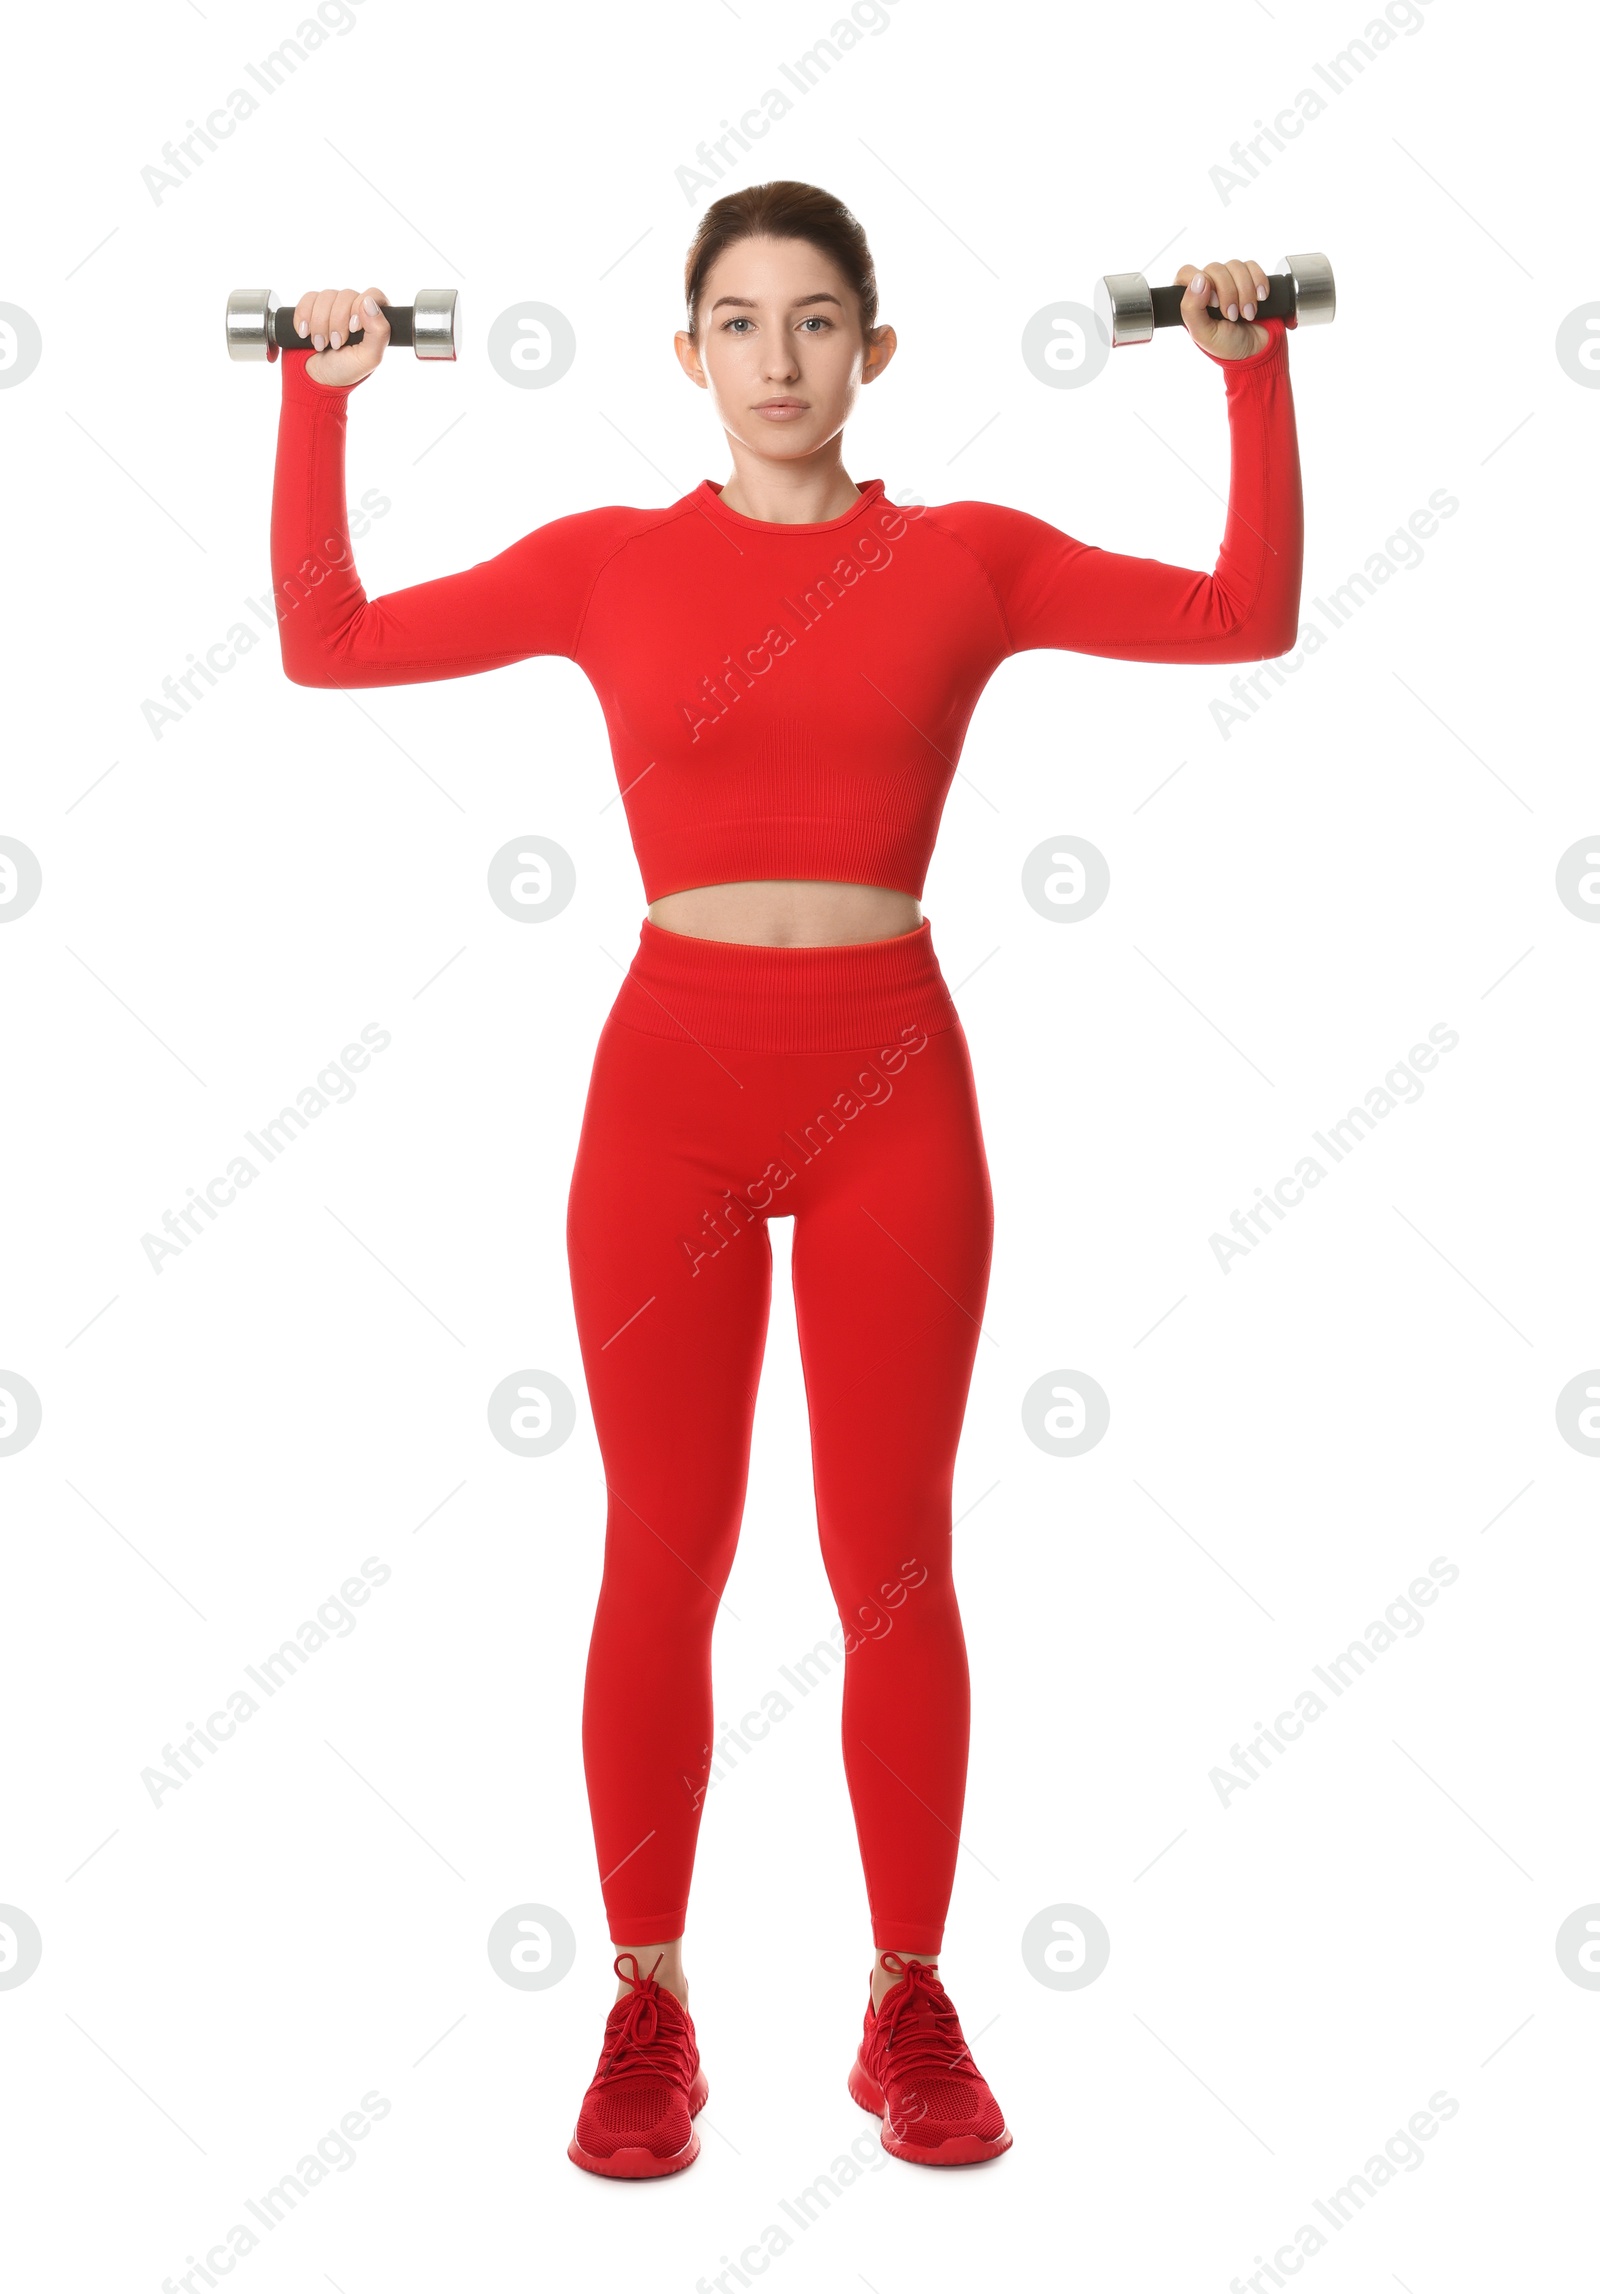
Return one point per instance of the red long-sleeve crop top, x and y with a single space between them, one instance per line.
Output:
786 700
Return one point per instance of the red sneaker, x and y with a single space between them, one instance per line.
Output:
636 2117
916 2071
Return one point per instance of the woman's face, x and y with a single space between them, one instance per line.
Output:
780 346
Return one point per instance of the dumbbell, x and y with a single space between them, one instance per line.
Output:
259 327
1130 309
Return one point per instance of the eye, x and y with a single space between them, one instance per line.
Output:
736 321
816 319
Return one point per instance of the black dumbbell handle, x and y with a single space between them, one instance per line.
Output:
402 332
1166 303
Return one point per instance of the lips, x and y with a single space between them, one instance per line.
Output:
782 409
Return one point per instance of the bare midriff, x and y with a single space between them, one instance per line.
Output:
787 912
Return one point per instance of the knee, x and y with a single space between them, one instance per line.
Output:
908 1594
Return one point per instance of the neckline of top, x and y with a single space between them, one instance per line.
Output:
706 496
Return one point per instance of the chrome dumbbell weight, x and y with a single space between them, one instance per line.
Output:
259 326
1130 309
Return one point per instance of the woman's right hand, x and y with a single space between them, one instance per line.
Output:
326 318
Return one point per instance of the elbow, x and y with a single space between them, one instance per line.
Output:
1280 637
1284 633
307 654
1265 634
305 669
1282 615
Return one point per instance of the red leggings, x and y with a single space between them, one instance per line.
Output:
733 1084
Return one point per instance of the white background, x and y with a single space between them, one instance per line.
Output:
1291 1443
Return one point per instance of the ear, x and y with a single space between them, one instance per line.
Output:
689 358
881 346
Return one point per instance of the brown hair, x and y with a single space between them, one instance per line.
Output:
783 211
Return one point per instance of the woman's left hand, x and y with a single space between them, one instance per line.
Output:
1236 289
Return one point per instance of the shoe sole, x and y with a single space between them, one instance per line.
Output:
954 2151
635 2163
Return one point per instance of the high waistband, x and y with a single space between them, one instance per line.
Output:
854 994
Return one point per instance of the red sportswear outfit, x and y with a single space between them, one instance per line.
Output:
782 701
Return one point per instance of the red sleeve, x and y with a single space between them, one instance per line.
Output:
530 599
1054 591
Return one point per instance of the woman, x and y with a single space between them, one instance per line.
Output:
787 665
